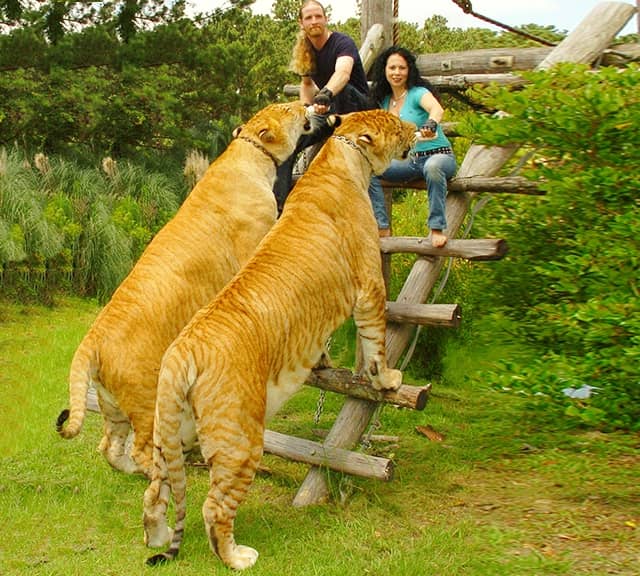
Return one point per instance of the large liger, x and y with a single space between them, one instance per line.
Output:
242 356
195 254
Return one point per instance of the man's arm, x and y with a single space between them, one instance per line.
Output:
308 89
340 77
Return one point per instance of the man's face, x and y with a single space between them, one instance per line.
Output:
313 20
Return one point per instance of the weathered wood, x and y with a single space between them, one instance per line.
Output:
344 381
377 13
372 46
316 454
461 82
483 61
587 42
509 184
479 160
479 249
424 314
500 61
346 431
322 433
620 54
506 184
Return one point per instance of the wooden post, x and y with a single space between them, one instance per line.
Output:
602 24
377 12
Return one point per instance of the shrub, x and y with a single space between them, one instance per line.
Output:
570 284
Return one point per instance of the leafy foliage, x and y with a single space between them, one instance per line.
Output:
573 293
66 227
171 87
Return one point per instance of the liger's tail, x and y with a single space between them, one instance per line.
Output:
167 434
82 368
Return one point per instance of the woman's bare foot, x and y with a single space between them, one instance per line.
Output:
438 238
384 232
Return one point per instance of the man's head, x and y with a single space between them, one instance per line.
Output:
312 19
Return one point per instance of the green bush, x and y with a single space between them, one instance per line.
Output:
571 282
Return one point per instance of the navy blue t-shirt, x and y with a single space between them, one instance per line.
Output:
339 45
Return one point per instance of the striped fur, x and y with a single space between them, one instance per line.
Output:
242 356
195 254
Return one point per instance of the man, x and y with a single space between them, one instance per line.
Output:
332 80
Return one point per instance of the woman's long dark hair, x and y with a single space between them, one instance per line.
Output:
380 87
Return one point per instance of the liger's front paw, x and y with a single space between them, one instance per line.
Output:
390 379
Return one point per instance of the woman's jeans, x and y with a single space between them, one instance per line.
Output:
435 169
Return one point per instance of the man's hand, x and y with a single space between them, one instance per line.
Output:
322 101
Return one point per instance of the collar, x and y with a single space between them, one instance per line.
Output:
261 148
353 145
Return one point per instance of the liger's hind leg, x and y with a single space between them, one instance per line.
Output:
116 430
157 533
141 450
369 316
232 468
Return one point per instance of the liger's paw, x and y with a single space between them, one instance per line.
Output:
242 557
390 379
158 538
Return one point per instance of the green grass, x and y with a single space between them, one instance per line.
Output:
508 491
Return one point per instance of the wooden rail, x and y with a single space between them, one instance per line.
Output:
584 45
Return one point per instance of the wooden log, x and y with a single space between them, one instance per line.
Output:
479 160
496 61
348 427
322 433
482 61
344 381
379 14
620 54
503 184
460 82
585 44
424 314
372 46
480 249
316 454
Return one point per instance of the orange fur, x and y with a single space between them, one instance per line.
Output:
241 357
195 254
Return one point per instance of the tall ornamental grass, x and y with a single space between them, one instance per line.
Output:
68 227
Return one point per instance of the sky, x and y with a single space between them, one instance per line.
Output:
564 15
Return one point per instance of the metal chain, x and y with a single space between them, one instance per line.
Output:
323 393
374 425
319 407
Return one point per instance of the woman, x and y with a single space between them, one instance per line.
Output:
398 88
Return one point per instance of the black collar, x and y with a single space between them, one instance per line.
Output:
353 145
261 148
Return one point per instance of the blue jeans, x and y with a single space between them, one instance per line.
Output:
435 169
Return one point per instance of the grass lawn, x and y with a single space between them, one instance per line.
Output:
506 492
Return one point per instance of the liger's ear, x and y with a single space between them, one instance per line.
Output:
334 120
266 135
365 139
237 131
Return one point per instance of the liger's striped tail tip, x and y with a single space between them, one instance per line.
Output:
159 559
62 418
